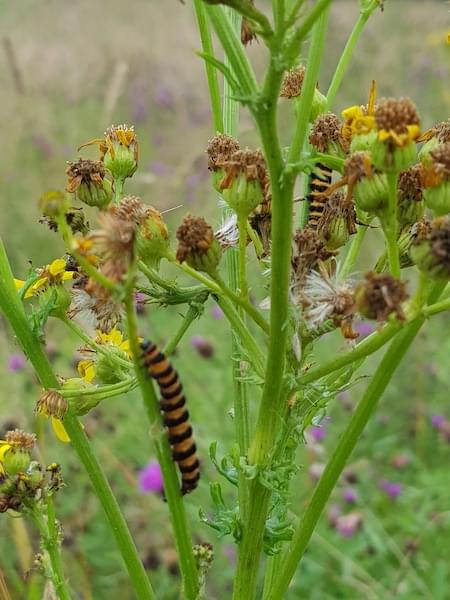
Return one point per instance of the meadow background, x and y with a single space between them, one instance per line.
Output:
67 71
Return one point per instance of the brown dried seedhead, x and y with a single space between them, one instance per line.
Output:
84 171
309 251
20 439
437 233
220 148
410 184
195 236
380 295
393 114
293 82
327 129
132 209
358 166
52 404
441 159
442 131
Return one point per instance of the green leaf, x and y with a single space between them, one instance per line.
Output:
222 67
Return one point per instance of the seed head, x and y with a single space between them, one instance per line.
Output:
410 184
52 404
309 251
293 82
326 132
358 166
380 295
441 160
430 249
195 236
84 171
396 115
220 148
20 439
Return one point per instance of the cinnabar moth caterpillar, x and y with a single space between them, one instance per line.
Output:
319 183
176 416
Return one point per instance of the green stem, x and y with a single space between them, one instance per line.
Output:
118 190
12 308
296 41
192 313
389 224
243 286
172 492
104 391
211 72
335 466
347 53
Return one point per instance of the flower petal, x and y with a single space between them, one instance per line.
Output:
86 368
60 430
57 267
4 448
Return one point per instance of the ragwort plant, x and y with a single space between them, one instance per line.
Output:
361 171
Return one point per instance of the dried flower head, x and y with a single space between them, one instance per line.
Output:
52 404
440 157
195 236
220 148
249 163
309 252
114 241
410 184
380 295
397 120
358 166
131 209
326 133
323 299
337 222
293 82
430 248
442 131
20 439
84 171
93 306
228 234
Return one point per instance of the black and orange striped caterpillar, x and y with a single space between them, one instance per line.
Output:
176 416
319 181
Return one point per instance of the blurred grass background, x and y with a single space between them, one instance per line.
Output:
67 71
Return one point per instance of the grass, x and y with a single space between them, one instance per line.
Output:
71 75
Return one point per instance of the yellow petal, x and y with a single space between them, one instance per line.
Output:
384 135
60 430
352 112
413 131
36 286
113 337
67 275
4 450
86 369
57 267
19 283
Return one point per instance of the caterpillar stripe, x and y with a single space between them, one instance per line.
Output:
319 182
175 415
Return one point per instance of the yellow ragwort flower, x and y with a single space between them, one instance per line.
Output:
87 367
360 120
400 139
53 274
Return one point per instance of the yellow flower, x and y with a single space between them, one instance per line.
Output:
360 120
53 274
87 367
60 430
122 135
400 139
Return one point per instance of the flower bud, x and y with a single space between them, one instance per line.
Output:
16 461
152 238
379 296
430 251
397 123
369 186
121 151
16 451
197 245
86 179
84 403
245 183
53 204
436 180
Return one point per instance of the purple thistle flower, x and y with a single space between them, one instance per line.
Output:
203 347
16 363
150 478
216 312
437 421
391 488
348 525
350 495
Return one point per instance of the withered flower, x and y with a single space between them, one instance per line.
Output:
410 205
220 148
430 250
309 252
94 306
337 222
20 439
436 180
86 179
293 82
326 135
197 245
380 295
51 404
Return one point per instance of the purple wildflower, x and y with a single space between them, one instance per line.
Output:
150 478
203 346
216 312
437 421
16 363
139 300
350 495
159 168
348 525
391 488
163 97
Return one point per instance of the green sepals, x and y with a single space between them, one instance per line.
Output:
152 240
206 261
225 521
437 198
318 106
392 159
363 142
94 194
337 234
55 301
409 211
81 405
16 461
424 154
107 370
123 164
371 193
243 196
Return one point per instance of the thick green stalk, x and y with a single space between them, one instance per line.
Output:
211 72
15 315
293 555
348 52
172 492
